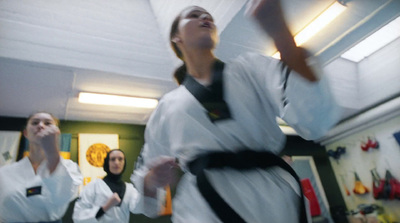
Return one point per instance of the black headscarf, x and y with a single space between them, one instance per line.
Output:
114 181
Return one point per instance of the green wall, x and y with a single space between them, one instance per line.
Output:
131 139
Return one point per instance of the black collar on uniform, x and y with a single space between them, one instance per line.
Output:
210 97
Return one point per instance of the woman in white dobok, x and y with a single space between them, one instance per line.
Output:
39 187
220 124
109 199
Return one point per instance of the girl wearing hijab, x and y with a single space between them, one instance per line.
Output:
220 124
109 199
39 187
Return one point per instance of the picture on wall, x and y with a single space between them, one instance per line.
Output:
9 143
93 148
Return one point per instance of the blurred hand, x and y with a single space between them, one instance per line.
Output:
112 201
48 139
163 172
255 7
268 13
288 159
270 17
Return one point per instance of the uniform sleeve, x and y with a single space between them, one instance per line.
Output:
85 209
311 108
308 107
61 186
156 141
136 202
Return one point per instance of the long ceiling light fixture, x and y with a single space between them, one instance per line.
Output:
116 100
374 42
317 24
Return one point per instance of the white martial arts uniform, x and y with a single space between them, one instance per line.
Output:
19 185
96 194
256 93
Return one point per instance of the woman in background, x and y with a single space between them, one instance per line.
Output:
109 199
39 187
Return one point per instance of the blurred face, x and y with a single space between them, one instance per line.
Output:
116 162
197 29
37 123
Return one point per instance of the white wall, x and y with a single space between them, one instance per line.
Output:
360 85
343 75
387 157
379 74
374 79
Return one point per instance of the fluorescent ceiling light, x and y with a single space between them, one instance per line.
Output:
286 129
317 24
320 22
116 100
374 42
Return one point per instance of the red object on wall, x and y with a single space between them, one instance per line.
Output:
364 146
393 186
371 143
309 193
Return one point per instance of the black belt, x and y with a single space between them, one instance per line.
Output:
242 160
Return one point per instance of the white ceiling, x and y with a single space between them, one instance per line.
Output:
52 50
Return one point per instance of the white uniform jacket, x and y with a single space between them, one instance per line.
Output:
257 90
29 197
96 194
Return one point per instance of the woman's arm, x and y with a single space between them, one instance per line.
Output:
49 139
269 15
